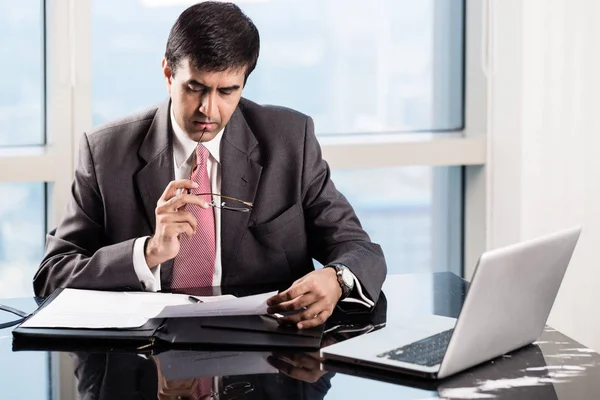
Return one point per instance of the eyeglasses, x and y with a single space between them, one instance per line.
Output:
238 205
230 392
236 390
223 202
11 310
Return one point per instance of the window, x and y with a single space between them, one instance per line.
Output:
22 236
361 67
22 69
414 213
22 123
328 59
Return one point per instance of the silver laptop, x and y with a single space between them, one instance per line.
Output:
506 307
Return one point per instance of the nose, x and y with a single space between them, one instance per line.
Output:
208 104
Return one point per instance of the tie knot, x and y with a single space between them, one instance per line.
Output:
202 154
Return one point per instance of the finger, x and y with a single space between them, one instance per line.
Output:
178 390
176 229
310 313
174 186
178 217
296 304
286 357
319 319
309 362
290 294
308 319
316 356
303 360
298 281
180 200
281 365
185 228
187 217
298 373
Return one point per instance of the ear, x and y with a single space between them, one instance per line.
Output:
168 73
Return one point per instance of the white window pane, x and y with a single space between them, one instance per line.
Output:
22 236
414 213
354 66
22 72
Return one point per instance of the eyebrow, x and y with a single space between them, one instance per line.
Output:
195 82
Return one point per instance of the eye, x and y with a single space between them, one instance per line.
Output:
226 92
194 88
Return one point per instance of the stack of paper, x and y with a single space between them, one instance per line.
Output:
249 305
75 308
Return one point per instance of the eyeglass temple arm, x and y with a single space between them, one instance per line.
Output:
247 203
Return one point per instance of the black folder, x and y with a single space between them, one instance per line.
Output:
211 333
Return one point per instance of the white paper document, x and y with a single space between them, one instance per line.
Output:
76 308
248 305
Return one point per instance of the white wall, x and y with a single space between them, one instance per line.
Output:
544 138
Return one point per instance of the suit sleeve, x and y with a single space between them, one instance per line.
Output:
78 253
334 231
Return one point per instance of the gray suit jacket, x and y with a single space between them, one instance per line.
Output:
269 156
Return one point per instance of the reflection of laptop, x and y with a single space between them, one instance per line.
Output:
506 307
526 364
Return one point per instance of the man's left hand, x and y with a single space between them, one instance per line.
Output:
318 292
302 366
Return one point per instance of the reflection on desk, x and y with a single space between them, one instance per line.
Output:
555 367
130 376
544 370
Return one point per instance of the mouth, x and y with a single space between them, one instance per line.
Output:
204 125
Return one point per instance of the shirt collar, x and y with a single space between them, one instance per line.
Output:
184 147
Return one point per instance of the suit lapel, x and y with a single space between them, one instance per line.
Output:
240 176
157 151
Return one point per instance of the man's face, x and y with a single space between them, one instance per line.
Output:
203 100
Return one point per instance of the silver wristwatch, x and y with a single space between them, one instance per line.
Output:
344 278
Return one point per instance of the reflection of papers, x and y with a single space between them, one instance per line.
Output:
249 305
75 308
179 365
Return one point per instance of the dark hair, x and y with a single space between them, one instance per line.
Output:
214 36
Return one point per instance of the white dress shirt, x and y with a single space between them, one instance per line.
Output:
183 153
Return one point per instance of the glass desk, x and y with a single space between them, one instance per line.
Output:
554 367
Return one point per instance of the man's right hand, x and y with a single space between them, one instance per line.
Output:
171 221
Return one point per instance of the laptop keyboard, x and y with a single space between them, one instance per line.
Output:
429 351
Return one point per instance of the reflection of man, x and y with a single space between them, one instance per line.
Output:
130 376
140 216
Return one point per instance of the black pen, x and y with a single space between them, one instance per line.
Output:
194 300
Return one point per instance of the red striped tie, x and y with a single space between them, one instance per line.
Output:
204 388
195 264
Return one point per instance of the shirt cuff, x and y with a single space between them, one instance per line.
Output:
149 278
357 296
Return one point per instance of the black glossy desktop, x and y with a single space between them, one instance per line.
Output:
555 367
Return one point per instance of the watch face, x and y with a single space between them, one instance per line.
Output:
347 277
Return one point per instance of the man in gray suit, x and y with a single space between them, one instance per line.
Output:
211 189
